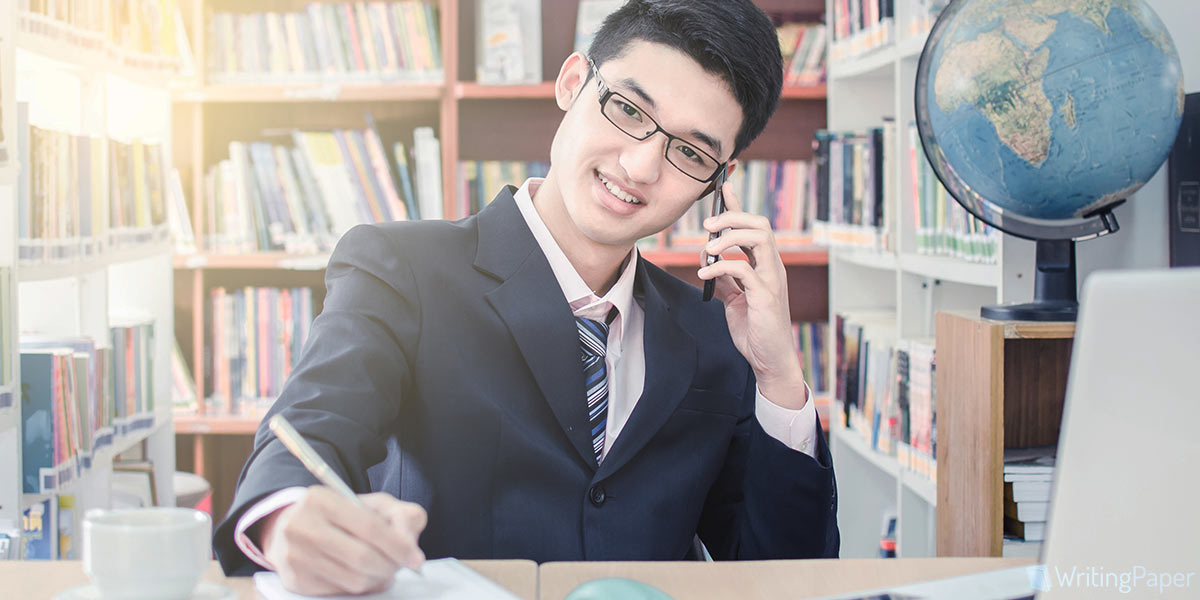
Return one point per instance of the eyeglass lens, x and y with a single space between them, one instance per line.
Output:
630 119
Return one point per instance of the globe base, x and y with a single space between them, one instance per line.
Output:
1054 296
1049 310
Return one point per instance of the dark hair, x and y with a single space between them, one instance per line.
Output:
732 39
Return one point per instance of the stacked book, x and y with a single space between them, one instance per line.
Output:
942 225
136 33
1028 475
812 339
302 198
329 42
78 194
78 394
480 180
859 26
803 49
915 424
780 190
885 388
851 168
255 340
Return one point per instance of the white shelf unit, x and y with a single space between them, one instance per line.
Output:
96 93
10 439
863 91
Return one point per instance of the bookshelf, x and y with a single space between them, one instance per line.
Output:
998 384
77 281
1002 385
473 122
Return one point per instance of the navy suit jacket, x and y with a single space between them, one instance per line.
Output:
445 369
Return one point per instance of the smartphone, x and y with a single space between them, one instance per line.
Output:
718 207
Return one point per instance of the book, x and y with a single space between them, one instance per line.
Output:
42 419
68 525
1026 511
334 42
183 386
39 530
588 20
427 152
1183 188
508 44
1034 531
1027 491
255 334
1029 464
406 183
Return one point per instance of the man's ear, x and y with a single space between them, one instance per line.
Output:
733 165
571 78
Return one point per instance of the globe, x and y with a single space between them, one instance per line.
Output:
1041 116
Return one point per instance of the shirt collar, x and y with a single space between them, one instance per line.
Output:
583 302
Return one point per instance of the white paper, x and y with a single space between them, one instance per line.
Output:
442 579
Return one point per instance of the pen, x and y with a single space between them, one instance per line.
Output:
309 457
312 461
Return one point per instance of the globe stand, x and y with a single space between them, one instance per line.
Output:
1054 288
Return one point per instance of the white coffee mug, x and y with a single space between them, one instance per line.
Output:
146 553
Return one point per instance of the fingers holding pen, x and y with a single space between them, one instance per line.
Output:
325 543
406 521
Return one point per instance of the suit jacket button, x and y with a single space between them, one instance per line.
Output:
596 495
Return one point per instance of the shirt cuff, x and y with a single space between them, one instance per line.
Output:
797 429
266 506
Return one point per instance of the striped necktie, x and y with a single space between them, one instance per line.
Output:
593 342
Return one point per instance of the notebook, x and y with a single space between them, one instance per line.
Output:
442 579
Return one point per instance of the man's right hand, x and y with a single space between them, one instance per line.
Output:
324 545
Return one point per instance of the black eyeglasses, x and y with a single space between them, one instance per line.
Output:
634 122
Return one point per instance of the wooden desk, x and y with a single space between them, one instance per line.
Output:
774 579
41 580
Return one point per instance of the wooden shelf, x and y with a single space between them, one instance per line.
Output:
804 92
691 257
472 90
269 260
1022 330
310 92
1000 384
205 425
545 90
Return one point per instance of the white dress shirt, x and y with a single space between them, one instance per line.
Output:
625 361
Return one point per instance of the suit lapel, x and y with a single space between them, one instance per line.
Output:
670 366
541 323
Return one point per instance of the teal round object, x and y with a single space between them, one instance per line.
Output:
1040 115
616 588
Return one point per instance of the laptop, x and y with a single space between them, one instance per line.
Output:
1125 510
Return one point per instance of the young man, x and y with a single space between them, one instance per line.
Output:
521 384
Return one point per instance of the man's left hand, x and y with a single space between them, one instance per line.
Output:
755 294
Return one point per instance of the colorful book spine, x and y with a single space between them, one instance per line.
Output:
256 336
336 42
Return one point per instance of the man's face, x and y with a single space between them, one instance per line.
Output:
598 169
